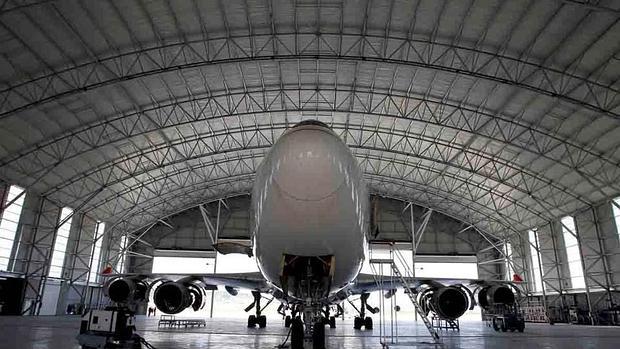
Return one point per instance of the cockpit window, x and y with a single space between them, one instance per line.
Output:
311 122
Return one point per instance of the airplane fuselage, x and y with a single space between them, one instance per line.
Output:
309 201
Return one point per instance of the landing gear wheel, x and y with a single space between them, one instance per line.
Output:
297 334
287 321
318 335
357 323
368 323
521 327
332 322
251 321
495 326
262 321
503 327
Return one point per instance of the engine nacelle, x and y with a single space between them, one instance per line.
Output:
495 294
446 302
173 297
125 290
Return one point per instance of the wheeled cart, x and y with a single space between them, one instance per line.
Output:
112 328
505 318
512 322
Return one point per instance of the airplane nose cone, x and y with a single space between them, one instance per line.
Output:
310 165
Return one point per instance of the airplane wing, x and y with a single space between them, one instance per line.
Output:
250 281
368 283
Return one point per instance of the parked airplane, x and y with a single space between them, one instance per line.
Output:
309 232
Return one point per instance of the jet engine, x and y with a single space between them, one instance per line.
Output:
448 302
125 290
495 294
172 297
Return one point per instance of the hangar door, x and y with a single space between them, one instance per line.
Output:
224 304
429 266
227 306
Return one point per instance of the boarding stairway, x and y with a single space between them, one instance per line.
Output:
401 277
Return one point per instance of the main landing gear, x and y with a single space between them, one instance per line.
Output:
362 320
288 319
331 320
258 319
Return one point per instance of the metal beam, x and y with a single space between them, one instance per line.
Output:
208 226
422 228
96 74
290 94
166 224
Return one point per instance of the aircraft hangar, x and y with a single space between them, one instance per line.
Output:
149 147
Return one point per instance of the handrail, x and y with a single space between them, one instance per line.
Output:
397 258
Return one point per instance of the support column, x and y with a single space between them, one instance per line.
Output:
583 268
524 263
75 231
557 263
41 240
414 249
217 233
540 271
605 261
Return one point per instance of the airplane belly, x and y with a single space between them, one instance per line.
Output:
320 228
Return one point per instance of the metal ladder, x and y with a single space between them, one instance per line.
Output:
411 296
387 335
408 291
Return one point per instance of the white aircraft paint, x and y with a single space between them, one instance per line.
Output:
309 199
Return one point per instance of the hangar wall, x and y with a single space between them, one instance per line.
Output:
442 236
598 242
32 253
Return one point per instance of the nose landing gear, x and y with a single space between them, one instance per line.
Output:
311 328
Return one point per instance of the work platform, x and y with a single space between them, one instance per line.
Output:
171 321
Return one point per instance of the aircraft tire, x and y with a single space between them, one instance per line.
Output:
495 326
251 321
332 322
318 336
287 321
368 323
262 321
357 323
297 334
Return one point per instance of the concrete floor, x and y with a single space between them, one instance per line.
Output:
58 332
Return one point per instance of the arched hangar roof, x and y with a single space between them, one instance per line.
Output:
502 113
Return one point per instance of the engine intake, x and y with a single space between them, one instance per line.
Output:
495 294
173 297
446 302
124 290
